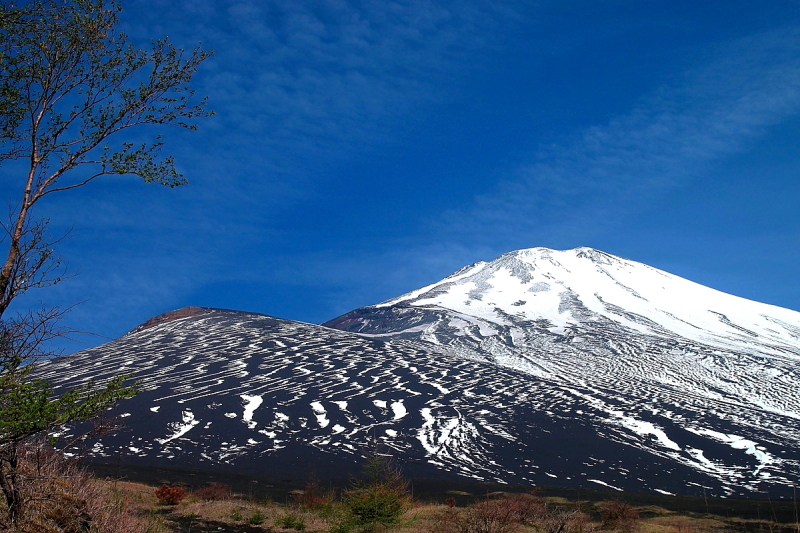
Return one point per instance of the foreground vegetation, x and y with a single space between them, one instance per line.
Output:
63 498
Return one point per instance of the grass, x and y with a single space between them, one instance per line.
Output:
66 498
241 513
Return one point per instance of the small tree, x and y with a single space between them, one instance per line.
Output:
28 406
378 498
71 86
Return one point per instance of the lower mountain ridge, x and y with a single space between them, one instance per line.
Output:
541 367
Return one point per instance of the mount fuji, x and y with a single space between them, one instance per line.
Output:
569 368
665 365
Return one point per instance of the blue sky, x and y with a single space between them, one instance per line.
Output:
363 149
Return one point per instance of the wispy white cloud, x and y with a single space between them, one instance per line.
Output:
604 176
300 86
612 170
302 80
296 86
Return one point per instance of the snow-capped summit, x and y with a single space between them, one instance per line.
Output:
671 367
572 286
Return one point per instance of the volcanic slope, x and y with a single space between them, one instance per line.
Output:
676 372
254 394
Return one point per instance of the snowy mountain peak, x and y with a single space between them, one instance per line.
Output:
671 367
580 285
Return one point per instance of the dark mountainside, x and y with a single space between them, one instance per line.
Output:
602 397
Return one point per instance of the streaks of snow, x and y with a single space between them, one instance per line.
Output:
391 432
155 409
632 376
639 427
341 403
497 430
604 484
452 441
380 403
337 429
705 464
646 428
442 389
425 434
741 443
231 415
180 428
321 414
399 410
239 368
251 403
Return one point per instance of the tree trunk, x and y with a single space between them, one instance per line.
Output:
9 482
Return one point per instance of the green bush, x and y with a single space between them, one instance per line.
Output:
375 505
291 521
376 500
256 518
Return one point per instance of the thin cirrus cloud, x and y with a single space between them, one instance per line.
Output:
319 79
608 173
294 84
305 90
611 171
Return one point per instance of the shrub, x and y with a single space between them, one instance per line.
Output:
526 508
62 496
214 491
375 505
557 520
500 515
312 496
493 516
290 521
616 514
377 500
170 494
256 518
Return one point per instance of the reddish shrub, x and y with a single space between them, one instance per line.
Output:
490 516
616 514
170 494
509 514
312 496
214 491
